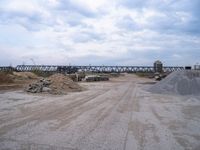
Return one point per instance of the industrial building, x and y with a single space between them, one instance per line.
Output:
158 66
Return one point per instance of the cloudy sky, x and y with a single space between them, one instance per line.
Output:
99 32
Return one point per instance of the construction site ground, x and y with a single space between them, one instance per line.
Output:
115 115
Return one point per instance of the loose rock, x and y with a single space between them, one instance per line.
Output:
55 84
185 82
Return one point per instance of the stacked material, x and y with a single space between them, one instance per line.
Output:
185 82
55 84
92 78
76 76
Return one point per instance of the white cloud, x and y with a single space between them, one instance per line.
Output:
64 31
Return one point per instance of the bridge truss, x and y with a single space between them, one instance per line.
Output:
96 69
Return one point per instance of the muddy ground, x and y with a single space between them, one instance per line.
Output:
115 115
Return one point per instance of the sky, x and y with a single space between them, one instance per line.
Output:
99 32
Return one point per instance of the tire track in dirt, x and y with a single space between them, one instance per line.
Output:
51 111
44 112
100 116
99 120
134 108
107 123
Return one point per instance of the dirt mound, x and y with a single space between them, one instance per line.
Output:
15 80
62 84
5 78
179 82
24 75
55 84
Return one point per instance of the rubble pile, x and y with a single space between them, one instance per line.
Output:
55 84
185 82
39 86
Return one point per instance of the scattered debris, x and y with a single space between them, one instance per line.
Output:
185 82
159 76
39 86
55 84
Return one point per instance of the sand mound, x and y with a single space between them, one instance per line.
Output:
179 82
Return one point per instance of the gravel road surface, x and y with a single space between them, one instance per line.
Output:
115 115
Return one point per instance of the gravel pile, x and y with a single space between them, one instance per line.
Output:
185 82
55 84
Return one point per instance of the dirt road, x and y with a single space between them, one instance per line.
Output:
115 115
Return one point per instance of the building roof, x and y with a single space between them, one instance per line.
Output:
158 62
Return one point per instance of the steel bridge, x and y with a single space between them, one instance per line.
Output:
96 69
7 68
